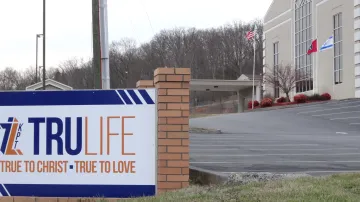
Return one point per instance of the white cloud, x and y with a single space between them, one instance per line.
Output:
69 24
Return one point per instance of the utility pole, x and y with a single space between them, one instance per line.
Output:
96 44
44 45
104 45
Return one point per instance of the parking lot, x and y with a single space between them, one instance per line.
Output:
316 138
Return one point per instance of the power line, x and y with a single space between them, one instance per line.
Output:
148 17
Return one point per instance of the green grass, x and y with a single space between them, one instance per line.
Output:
345 187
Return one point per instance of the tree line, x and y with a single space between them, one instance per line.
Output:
215 53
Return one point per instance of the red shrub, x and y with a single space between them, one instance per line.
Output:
200 110
281 100
326 96
301 98
256 104
266 102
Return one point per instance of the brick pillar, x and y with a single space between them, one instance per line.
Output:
145 84
173 127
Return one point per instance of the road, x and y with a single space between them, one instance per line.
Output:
314 138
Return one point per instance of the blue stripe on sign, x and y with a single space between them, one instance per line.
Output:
73 97
57 190
2 190
134 97
146 97
125 97
7 127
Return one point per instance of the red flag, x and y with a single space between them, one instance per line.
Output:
313 47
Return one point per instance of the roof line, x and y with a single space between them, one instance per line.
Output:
49 81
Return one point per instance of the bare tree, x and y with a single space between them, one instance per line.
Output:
213 53
9 79
26 78
283 77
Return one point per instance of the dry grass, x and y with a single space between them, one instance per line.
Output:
340 188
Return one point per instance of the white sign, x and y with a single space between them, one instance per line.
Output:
78 143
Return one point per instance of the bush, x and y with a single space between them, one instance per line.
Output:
315 97
301 98
266 102
256 104
326 96
281 100
268 95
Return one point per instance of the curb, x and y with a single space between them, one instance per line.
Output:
204 131
206 177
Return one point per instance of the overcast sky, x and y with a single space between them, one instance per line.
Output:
69 24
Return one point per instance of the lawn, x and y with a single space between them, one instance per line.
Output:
345 187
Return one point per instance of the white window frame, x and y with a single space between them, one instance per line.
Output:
338 72
276 66
304 63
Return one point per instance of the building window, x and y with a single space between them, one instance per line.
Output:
303 39
338 53
276 68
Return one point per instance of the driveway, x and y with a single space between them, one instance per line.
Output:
313 138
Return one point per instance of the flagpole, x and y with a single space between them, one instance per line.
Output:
253 85
315 61
317 72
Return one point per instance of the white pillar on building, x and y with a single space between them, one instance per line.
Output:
357 47
241 102
258 93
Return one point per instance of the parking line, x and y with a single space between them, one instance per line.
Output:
250 141
246 145
217 138
335 113
307 149
300 172
258 155
214 149
345 118
307 112
237 162
342 133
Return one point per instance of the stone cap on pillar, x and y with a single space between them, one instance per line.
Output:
172 75
145 84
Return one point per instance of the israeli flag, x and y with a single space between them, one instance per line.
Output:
328 44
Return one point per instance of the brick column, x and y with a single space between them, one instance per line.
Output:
145 84
173 127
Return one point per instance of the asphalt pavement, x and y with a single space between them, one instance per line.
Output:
320 138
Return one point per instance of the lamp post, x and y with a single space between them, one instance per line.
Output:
37 49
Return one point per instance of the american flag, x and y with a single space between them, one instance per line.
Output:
250 35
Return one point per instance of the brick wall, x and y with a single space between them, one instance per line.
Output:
173 127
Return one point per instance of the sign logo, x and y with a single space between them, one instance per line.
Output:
12 134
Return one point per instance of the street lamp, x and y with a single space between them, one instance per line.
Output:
37 49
